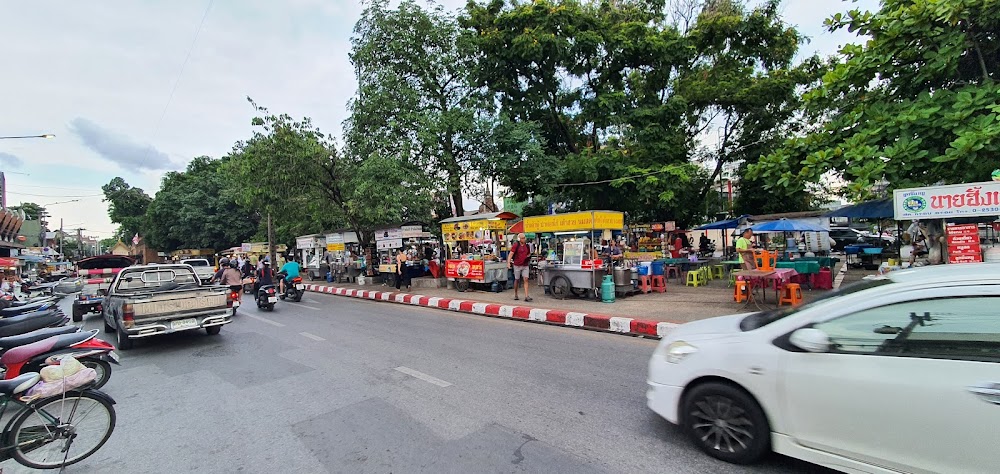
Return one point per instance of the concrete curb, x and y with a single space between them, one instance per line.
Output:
599 322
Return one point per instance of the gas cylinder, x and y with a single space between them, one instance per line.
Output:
608 289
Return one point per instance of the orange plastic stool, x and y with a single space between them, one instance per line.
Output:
659 284
740 291
644 283
791 294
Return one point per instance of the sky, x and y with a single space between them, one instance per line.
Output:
139 88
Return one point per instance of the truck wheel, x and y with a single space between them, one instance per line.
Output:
124 343
107 327
213 330
77 314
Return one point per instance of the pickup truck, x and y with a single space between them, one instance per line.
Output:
148 300
93 277
201 266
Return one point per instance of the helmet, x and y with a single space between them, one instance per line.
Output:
223 261
267 262
234 264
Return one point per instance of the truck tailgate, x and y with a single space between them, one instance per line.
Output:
167 305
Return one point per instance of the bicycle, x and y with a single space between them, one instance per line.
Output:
56 431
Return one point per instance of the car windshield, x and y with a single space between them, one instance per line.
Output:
197 263
763 318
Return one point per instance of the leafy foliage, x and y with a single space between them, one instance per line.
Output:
917 104
31 210
126 207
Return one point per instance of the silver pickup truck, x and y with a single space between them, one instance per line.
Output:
147 300
202 267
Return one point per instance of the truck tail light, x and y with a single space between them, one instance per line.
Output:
128 315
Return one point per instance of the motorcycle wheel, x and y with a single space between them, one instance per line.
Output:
282 296
103 369
270 307
298 297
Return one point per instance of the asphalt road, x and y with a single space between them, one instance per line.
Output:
342 385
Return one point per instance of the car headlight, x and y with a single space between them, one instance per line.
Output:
677 351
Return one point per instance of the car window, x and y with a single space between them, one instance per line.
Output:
197 263
763 318
955 328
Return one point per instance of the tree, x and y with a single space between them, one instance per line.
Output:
126 207
191 210
915 105
106 244
296 171
31 210
415 102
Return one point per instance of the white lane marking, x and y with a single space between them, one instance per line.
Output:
265 320
312 336
423 376
306 306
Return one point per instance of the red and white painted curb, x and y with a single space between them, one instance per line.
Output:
631 326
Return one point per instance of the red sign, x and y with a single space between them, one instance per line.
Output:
465 269
963 244
8 262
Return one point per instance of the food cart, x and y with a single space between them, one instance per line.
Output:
955 219
472 249
309 249
345 259
577 270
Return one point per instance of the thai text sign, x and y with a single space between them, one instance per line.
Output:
940 202
575 221
963 244
412 231
467 269
471 230
388 234
335 247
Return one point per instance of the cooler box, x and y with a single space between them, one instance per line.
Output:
645 268
658 267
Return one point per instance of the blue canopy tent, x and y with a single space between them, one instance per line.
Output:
723 225
786 225
877 209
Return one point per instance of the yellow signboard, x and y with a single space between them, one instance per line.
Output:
575 221
471 230
334 247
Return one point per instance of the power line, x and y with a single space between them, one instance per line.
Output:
55 195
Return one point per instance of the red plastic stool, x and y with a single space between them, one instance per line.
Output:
659 284
645 285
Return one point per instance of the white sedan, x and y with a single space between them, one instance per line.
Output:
898 374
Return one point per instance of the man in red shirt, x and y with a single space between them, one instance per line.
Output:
519 258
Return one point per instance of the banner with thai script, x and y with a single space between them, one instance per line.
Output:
941 202
575 221
963 244
466 269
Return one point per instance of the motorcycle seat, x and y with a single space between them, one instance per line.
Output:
19 384
28 307
34 336
24 353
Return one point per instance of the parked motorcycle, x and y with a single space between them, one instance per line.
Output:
92 352
31 321
267 297
294 290
707 250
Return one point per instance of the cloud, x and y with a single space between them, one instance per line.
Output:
120 148
10 161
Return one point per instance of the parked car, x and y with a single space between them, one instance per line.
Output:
149 300
202 267
896 374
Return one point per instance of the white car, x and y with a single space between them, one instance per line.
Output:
897 374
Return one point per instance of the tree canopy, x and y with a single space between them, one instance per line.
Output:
126 207
32 211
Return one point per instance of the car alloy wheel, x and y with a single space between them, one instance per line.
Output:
726 423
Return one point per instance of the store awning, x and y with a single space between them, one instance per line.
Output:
877 209
506 216
576 222
788 225
726 224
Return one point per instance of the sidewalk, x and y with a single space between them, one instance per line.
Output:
652 314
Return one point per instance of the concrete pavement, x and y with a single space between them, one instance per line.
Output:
335 384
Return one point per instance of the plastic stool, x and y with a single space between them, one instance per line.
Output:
673 270
695 278
706 272
659 284
791 294
740 291
644 283
718 272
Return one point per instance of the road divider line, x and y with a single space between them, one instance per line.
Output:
306 306
312 336
264 320
422 376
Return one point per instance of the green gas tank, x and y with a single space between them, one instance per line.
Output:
608 289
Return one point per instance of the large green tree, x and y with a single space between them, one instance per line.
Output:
192 210
31 210
917 103
126 207
291 170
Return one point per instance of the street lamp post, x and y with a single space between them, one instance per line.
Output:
46 135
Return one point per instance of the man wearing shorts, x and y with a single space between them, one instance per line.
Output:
519 258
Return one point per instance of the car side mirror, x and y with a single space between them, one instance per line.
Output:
811 340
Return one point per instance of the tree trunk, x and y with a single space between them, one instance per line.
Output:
270 243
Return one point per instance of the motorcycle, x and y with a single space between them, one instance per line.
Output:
31 321
294 290
92 352
266 297
707 250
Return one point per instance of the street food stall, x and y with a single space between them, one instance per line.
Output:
310 249
473 244
575 268
951 223
646 242
345 259
387 241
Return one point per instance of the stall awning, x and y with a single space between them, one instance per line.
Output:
505 216
788 225
878 209
575 221
726 224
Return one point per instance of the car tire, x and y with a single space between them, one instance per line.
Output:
213 330
726 423
77 314
123 342
107 327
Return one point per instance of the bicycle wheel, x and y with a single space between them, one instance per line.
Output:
57 431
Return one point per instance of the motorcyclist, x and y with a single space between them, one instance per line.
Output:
223 264
289 271
265 276
247 269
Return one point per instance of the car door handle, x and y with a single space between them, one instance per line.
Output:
988 391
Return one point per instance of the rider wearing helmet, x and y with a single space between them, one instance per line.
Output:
223 264
265 276
231 276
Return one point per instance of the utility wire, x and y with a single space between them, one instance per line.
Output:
55 195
